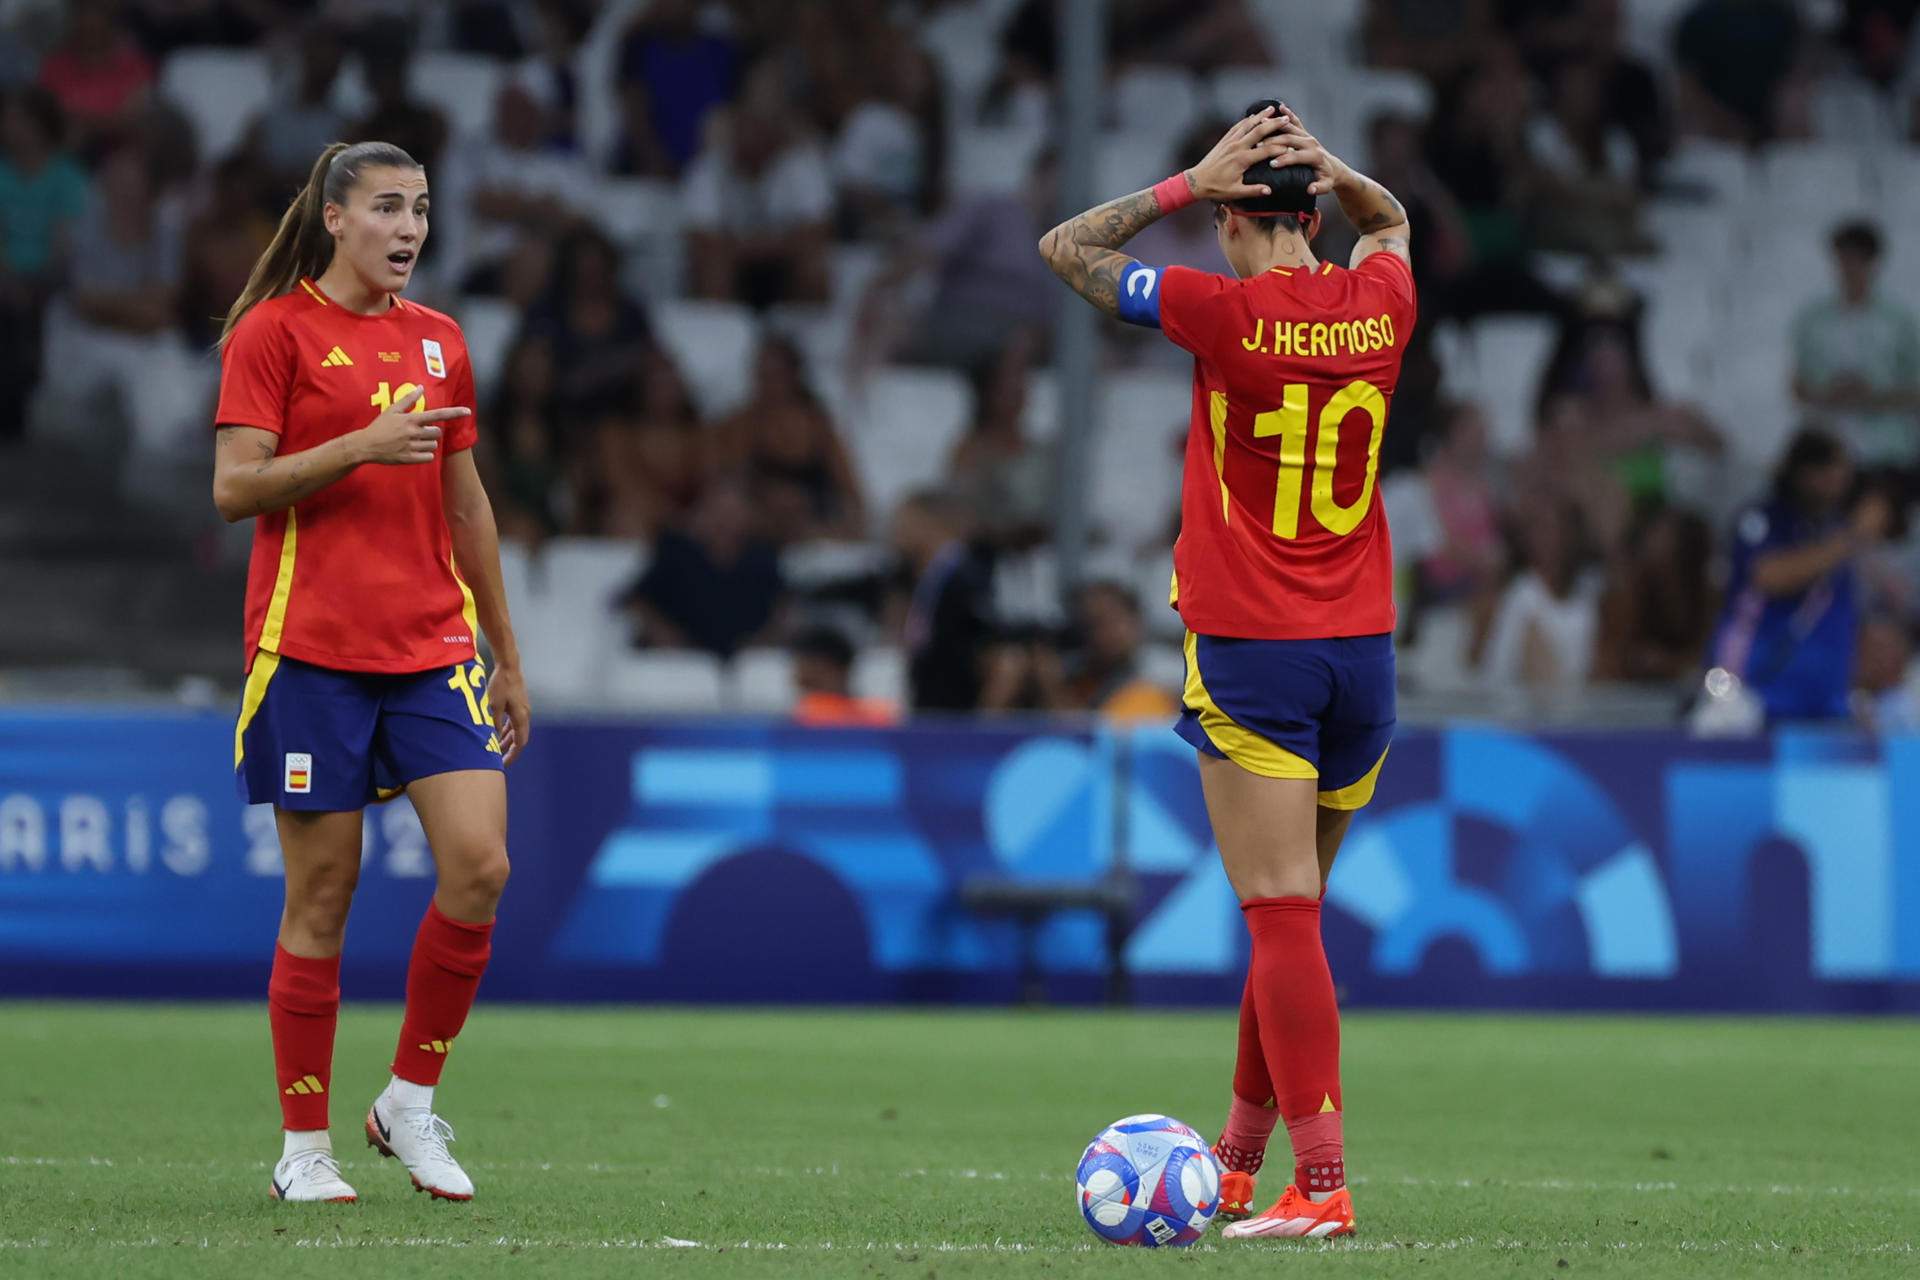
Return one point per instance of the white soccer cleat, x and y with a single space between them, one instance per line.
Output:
418 1139
311 1177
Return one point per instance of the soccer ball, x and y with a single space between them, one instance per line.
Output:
1148 1180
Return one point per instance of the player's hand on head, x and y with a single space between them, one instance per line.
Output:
1297 146
1218 176
402 436
512 717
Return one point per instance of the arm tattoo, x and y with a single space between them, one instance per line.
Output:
1371 207
282 481
1084 250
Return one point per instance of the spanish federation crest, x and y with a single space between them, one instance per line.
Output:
436 362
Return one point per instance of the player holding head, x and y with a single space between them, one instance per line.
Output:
375 565
1283 575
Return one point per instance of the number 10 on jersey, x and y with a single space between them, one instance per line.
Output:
1289 422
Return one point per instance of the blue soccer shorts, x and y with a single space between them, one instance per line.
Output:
1319 709
315 739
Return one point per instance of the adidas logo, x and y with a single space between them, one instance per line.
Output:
310 1084
437 1046
336 358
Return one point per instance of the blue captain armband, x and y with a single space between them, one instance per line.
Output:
1139 295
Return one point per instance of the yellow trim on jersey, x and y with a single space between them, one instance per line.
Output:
1357 795
264 665
1241 745
276 623
467 608
1281 271
318 297
1217 416
1326 269
1173 589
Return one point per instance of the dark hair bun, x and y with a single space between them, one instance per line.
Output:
1289 185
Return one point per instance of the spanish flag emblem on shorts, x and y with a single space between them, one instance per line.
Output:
299 773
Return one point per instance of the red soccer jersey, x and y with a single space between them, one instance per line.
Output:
359 576
1282 536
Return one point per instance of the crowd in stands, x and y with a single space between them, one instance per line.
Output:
860 185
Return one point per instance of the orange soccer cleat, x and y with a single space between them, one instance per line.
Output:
1236 1195
1295 1216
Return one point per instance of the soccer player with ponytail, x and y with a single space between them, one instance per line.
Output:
345 432
1283 574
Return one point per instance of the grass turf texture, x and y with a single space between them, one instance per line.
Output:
138 1140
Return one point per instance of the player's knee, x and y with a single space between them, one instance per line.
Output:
483 875
1284 880
318 911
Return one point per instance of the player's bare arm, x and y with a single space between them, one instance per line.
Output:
476 551
1084 251
251 477
1380 219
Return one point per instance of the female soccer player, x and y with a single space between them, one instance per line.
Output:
1284 577
375 564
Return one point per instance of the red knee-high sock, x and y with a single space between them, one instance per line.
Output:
1251 1112
448 958
303 1008
1300 1033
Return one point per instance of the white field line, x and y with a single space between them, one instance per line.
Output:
1753 1248
1570 1185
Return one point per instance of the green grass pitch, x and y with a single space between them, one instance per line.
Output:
137 1140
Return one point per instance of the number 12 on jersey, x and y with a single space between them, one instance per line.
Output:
1289 422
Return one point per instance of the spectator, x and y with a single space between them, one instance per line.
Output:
1446 523
597 334
1542 638
559 26
1886 696
1658 605
647 471
42 194
675 68
528 477
232 226
714 585
989 286
823 678
890 155
782 440
1854 103
292 129
1587 167
1789 627
415 126
98 74
1006 476
757 201
511 192
112 330
1735 59
948 619
1856 357
1568 467
1639 436
1099 674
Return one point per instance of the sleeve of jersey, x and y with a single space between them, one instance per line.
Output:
1189 306
256 375
461 432
1393 271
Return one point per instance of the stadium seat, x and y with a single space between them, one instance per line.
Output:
1703 169
1156 101
489 326
760 682
562 600
220 91
673 681
643 217
1321 35
1136 456
810 566
1815 181
595 64
1129 161
1042 417
963 41
909 420
991 161
880 671
591 571
1458 358
1647 27
462 85
713 343
1512 354
1164 665
1152 578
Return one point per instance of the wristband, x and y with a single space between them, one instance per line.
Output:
1173 193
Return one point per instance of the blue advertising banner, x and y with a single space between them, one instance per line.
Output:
749 860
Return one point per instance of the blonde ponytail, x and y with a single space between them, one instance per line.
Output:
301 246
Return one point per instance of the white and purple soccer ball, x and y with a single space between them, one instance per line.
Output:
1148 1180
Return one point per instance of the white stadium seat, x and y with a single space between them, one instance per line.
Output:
562 599
1716 170
1512 354
991 161
880 671
713 343
760 682
1130 161
909 421
489 325
1816 181
674 681
643 217
219 90
1136 456
461 85
1160 102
